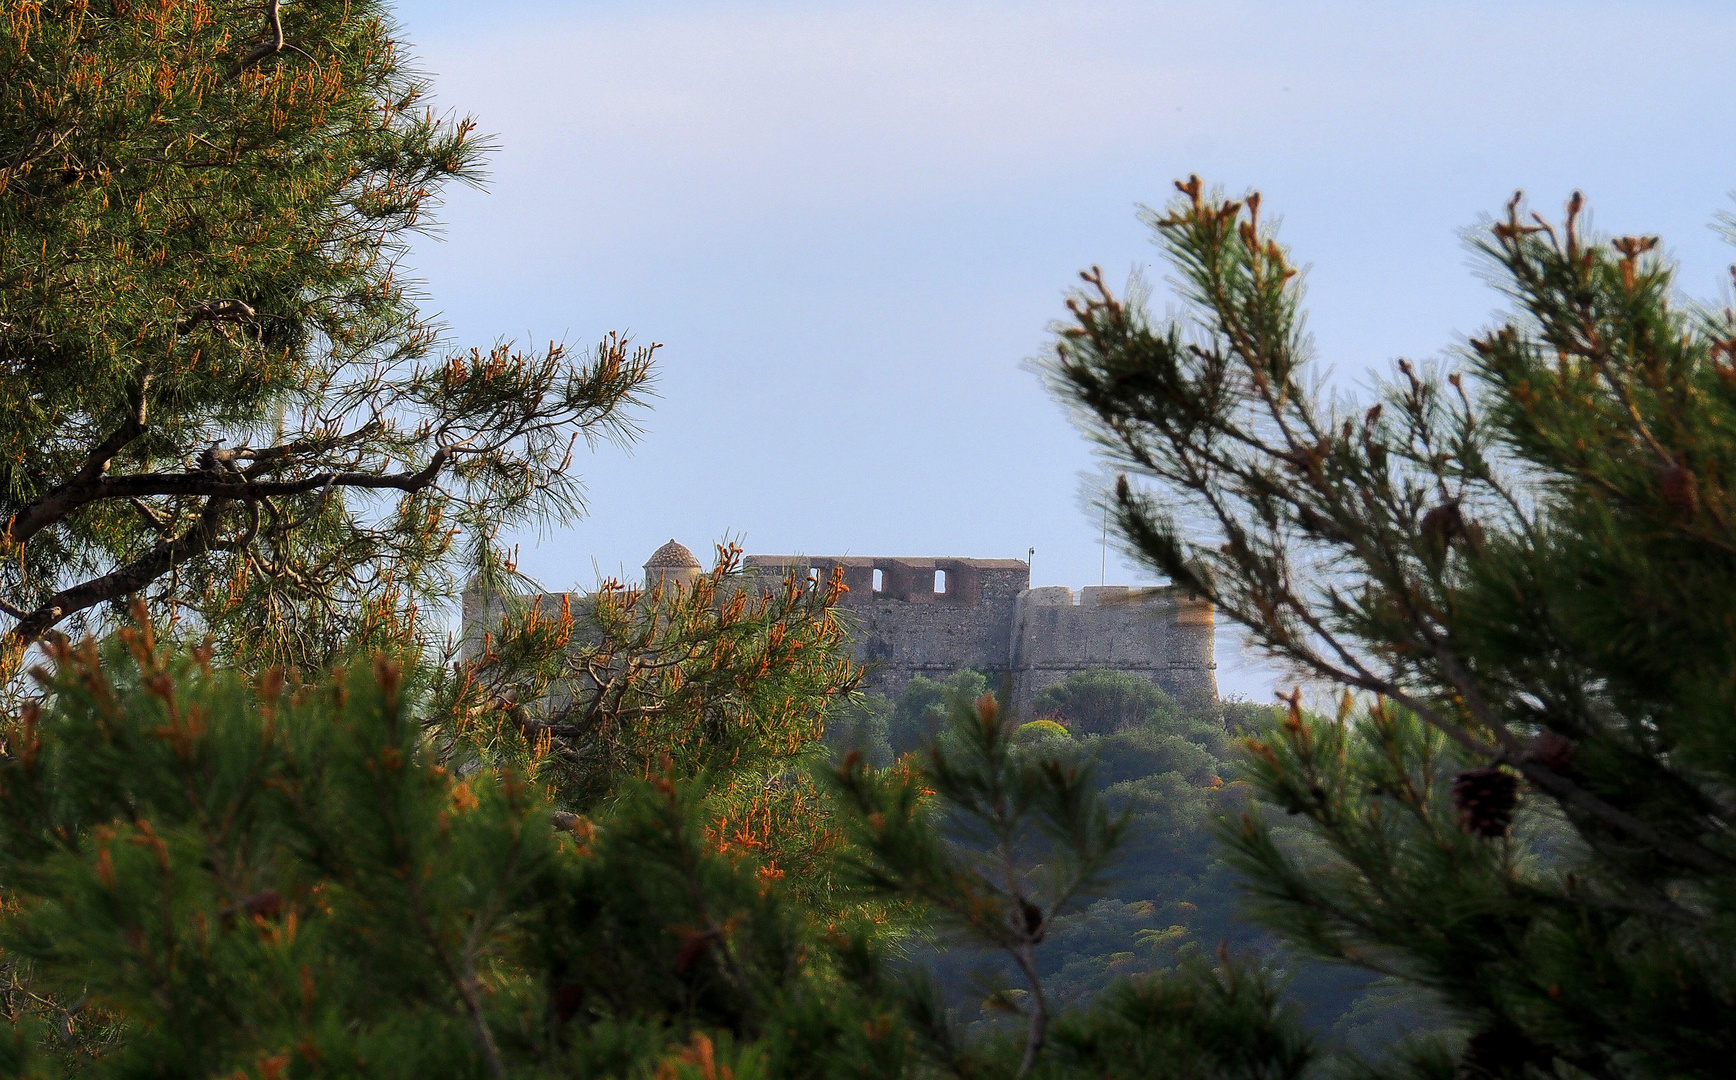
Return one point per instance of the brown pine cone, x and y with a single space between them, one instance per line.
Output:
1553 751
1033 916
1486 798
1679 491
567 1000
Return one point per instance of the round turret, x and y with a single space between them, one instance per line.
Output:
671 564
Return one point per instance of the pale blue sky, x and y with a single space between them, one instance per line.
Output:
849 223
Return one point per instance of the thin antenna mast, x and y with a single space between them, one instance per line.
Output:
1103 575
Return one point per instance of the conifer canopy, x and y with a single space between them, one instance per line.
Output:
217 391
1525 560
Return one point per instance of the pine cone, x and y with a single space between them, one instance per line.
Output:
1679 491
1553 750
1502 1050
567 1000
1441 526
1033 916
1486 798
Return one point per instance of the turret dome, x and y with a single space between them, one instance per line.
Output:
671 564
672 554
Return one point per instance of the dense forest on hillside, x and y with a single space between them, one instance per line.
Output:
1170 897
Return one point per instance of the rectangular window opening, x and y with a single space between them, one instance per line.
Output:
879 582
940 581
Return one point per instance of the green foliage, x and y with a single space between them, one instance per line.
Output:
1009 842
1527 565
700 682
230 876
923 709
862 723
219 394
1099 701
1394 1020
1228 1022
659 928
1241 716
625 682
1114 988
238 873
1170 895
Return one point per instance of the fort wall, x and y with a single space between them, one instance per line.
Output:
933 617
1161 634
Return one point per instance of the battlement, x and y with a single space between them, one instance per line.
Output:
961 582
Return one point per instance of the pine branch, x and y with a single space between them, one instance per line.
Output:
123 580
56 503
61 502
268 48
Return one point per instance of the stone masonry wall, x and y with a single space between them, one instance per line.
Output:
1161 634
932 617
987 617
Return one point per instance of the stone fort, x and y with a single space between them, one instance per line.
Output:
932 617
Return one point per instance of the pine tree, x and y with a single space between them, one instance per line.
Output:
719 682
211 875
1525 560
218 394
